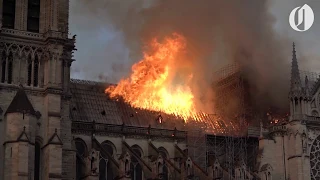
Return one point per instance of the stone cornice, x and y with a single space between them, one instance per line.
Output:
35 91
18 141
33 36
54 114
89 128
25 174
55 175
297 156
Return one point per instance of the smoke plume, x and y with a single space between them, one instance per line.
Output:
218 32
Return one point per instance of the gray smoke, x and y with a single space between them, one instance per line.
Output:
218 32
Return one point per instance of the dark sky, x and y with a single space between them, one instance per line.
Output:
102 51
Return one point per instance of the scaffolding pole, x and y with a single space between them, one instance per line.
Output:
230 92
197 144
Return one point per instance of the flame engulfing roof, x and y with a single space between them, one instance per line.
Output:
90 103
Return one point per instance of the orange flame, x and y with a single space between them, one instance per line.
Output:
153 83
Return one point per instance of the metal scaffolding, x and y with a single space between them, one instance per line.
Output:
231 98
231 152
197 144
230 149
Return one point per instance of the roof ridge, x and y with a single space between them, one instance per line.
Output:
89 82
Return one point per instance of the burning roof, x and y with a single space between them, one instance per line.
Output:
90 103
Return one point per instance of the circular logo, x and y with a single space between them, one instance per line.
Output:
305 17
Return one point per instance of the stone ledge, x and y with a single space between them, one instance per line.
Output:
55 175
54 114
296 156
23 174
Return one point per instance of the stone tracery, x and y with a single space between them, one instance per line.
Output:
105 169
314 159
30 57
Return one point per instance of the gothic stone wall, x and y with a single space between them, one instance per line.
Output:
143 143
273 154
6 96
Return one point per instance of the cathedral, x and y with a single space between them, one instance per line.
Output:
58 128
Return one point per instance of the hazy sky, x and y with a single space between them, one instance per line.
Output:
93 42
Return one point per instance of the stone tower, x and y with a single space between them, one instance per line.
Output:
298 159
36 55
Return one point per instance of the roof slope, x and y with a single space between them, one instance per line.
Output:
90 103
21 103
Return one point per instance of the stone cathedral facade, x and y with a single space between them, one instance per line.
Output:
56 128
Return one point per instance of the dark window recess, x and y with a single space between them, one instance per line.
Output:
10 72
108 148
37 161
8 16
79 169
165 174
136 170
10 68
29 71
3 67
35 71
33 15
81 151
102 169
81 148
103 113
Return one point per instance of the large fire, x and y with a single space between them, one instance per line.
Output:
161 80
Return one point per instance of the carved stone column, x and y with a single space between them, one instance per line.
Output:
21 15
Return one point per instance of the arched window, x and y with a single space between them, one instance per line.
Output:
29 70
105 169
81 147
10 67
136 169
8 15
3 67
36 71
81 153
37 161
164 153
33 15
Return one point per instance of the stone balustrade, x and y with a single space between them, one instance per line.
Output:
127 130
48 34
